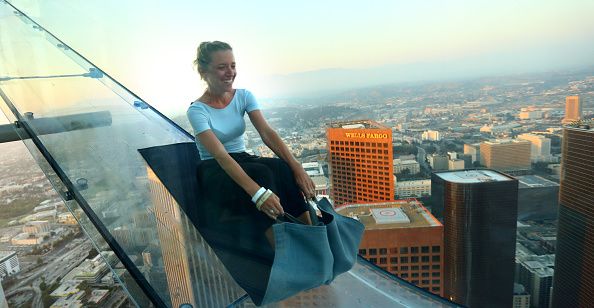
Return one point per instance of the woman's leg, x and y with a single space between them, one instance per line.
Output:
285 186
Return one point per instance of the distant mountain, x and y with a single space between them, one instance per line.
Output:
327 81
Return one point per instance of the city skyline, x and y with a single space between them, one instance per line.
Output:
367 142
308 48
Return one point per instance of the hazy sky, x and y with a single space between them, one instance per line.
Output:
288 47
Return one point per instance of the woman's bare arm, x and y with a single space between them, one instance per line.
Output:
234 170
276 144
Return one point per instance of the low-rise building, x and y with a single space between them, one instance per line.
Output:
37 227
473 150
92 270
521 297
540 147
66 288
403 238
26 239
438 162
455 164
536 274
9 263
411 165
72 301
66 218
414 188
322 185
431 135
313 169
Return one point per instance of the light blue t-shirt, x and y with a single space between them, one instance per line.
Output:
227 123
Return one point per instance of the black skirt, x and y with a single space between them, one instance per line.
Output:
228 208
232 225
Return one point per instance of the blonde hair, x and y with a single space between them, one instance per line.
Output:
204 54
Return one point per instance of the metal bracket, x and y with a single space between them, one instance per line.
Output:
67 195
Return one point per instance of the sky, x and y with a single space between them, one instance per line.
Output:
292 48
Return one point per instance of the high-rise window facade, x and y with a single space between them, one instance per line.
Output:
506 155
573 284
479 217
360 160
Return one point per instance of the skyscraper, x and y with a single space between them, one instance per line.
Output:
402 237
479 216
189 279
573 284
360 161
573 109
506 155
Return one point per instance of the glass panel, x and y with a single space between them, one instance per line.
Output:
88 130
365 285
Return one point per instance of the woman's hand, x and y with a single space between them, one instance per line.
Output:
305 183
272 207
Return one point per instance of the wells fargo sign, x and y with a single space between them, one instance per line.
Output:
366 135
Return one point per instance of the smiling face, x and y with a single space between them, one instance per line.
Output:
220 72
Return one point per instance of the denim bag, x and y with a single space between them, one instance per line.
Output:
307 256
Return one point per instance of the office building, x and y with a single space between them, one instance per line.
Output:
26 239
573 109
438 162
479 210
411 165
190 279
9 263
540 147
402 237
413 188
92 270
455 164
36 227
506 155
474 150
360 161
467 158
530 114
431 135
521 297
66 218
502 129
313 169
322 185
574 263
538 198
536 273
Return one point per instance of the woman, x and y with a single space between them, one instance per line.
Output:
243 190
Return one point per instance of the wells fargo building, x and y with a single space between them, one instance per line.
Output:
360 160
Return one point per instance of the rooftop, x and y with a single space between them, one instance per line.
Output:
359 124
505 141
586 125
408 213
6 254
532 181
473 176
319 180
